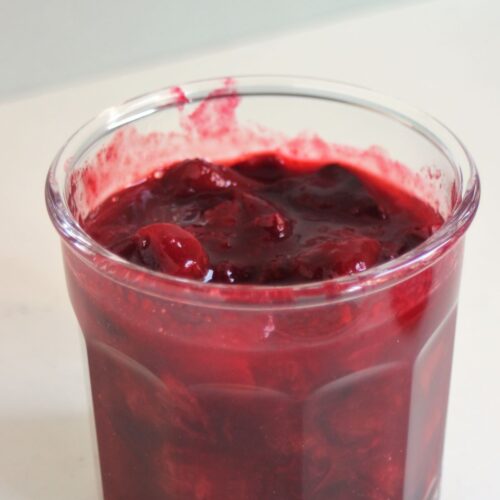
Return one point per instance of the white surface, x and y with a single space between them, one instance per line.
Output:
440 56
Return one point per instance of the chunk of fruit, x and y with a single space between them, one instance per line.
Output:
224 215
171 249
276 224
263 214
409 299
348 255
199 176
264 168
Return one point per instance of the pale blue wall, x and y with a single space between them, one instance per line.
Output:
48 42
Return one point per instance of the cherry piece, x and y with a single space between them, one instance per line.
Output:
263 168
173 250
195 176
263 214
328 259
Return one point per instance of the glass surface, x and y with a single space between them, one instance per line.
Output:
330 390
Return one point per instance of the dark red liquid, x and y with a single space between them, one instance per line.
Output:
260 221
323 400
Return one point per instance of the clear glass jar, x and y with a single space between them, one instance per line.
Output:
331 390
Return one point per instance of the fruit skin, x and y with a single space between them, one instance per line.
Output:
195 176
173 250
330 259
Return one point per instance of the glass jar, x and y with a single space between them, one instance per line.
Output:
328 390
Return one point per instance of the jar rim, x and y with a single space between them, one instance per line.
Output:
268 296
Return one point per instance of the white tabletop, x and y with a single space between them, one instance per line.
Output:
442 56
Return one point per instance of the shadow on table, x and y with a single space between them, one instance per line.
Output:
47 458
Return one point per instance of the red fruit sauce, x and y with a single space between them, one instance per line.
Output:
262 220
296 393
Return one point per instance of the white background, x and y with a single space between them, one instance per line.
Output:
45 43
442 56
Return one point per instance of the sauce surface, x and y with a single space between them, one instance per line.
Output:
261 220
